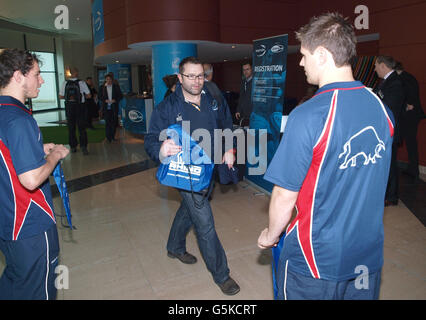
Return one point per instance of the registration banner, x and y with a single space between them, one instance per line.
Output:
269 75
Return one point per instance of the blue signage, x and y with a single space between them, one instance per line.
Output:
269 75
98 22
135 119
122 73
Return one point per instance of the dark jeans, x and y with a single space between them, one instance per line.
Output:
76 116
211 249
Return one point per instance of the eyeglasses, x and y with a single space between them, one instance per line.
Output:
193 76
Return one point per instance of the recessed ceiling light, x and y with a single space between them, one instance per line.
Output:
224 60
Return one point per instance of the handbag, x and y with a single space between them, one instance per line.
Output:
191 169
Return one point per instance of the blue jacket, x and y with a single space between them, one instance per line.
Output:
172 110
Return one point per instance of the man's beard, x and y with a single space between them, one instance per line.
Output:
30 94
192 91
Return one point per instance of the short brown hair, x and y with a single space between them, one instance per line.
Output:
186 60
333 32
12 60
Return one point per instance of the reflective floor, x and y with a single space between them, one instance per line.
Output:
123 217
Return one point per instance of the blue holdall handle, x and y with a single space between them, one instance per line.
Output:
191 169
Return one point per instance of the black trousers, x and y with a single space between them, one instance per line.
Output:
76 117
393 181
409 126
111 120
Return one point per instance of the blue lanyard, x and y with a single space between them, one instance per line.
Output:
58 174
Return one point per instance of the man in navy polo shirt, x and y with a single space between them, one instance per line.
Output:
28 234
332 164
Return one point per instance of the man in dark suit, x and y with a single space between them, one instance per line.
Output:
412 113
109 96
391 92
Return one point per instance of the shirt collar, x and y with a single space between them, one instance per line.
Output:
388 74
11 101
340 85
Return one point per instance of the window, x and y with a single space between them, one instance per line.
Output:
47 97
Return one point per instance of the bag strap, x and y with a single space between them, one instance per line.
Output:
199 204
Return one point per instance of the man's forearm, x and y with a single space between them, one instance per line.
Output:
32 179
280 210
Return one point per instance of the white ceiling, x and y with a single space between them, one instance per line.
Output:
40 15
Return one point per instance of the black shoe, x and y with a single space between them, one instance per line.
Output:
85 152
229 287
73 150
186 258
391 203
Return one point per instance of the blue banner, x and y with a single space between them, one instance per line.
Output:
98 22
134 117
269 75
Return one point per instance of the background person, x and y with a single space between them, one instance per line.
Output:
391 92
75 92
109 97
245 105
412 114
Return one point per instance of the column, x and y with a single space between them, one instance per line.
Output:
165 60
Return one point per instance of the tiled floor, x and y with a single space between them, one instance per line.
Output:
123 217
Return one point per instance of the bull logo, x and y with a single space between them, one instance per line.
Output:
363 146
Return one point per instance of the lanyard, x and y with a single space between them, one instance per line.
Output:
59 176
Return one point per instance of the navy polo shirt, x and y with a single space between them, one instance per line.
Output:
335 152
24 213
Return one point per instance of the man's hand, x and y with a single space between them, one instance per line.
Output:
409 107
237 115
60 150
229 158
264 242
169 148
47 147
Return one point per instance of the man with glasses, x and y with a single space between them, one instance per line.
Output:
191 103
